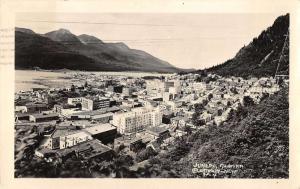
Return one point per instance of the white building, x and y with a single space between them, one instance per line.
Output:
74 101
137 119
154 87
62 138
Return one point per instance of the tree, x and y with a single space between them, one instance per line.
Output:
145 154
210 96
199 107
248 101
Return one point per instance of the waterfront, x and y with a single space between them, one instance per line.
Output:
27 79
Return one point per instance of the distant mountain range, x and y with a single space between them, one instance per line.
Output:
260 58
61 49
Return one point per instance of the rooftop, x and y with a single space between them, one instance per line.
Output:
44 115
64 132
100 128
157 130
87 149
178 118
97 112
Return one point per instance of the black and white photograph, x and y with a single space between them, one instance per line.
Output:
151 95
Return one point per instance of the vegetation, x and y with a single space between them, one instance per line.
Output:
145 154
256 137
260 57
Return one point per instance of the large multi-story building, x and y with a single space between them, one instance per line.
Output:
137 119
154 87
172 86
94 104
158 87
74 101
87 104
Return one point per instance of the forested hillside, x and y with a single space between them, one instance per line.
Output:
256 137
260 58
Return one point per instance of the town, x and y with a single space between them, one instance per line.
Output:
111 113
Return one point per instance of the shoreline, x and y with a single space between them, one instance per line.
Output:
67 70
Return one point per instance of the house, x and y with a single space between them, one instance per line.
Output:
206 116
180 133
179 121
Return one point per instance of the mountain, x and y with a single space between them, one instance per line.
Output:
64 36
260 57
24 30
89 39
62 49
33 50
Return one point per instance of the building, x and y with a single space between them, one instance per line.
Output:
87 104
157 87
22 116
106 133
127 91
33 108
167 96
88 150
64 138
43 117
137 119
95 103
179 121
74 101
20 109
57 109
154 87
174 86
133 143
115 89
160 132
103 118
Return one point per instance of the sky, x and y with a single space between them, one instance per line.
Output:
186 40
